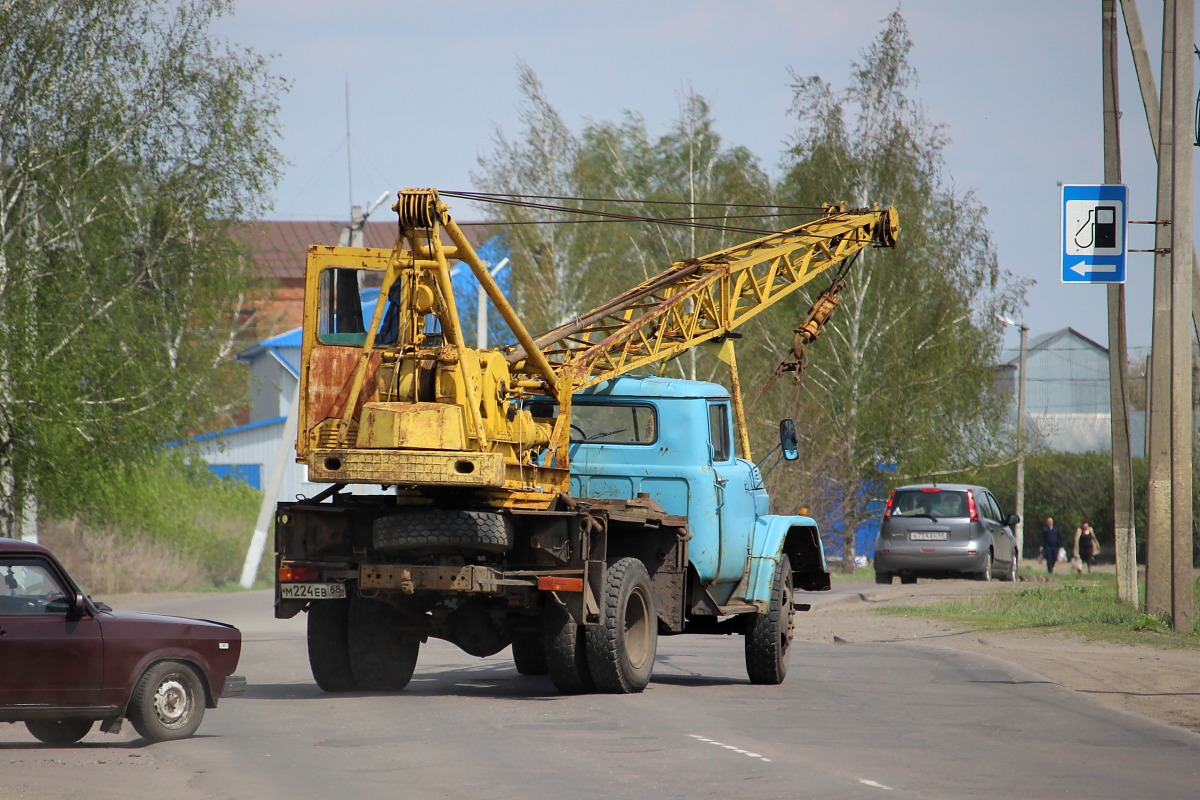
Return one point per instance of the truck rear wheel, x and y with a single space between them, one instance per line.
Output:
328 645
769 635
381 659
529 654
566 652
622 647
442 529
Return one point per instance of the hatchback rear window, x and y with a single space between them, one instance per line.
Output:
936 502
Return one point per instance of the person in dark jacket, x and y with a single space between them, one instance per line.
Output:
1051 542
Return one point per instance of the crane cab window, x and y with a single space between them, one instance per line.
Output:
719 435
346 303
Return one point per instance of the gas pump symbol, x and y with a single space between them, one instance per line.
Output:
1099 230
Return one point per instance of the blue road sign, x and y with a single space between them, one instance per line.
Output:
1094 219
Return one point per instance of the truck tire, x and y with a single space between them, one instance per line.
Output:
167 703
381 659
329 646
59 731
769 635
442 529
622 647
529 654
566 652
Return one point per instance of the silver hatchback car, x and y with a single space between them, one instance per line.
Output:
942 531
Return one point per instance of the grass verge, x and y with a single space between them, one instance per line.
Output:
1085 605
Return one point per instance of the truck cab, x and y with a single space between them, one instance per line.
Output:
671 441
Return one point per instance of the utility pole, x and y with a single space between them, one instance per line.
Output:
1158 438
1169 538
1182 275
1124 547
1020 498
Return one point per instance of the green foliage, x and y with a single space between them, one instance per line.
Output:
130 138
166 499
903 375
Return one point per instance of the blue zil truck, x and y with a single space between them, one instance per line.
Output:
544 496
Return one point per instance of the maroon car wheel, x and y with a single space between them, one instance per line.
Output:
168 702
59 731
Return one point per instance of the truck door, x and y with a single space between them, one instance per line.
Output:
735 502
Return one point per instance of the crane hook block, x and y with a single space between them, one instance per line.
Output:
818 315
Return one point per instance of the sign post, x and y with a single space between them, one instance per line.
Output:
1094 219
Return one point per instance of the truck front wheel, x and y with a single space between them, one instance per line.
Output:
328 645
769 635
622 647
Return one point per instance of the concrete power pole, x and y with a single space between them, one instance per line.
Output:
1124 546
1182 275
1168 551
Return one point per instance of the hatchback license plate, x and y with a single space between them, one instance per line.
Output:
312 591
927 536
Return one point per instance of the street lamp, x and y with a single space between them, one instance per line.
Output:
1020 493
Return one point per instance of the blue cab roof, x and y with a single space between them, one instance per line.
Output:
651 386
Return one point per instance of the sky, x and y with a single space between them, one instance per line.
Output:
389 95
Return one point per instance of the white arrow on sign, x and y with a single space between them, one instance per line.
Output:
1083 268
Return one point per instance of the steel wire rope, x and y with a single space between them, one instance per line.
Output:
609 216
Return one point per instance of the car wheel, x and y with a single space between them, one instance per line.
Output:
883 577
908 578
1011 576
167 703
59 731
769 637
621 649
986 575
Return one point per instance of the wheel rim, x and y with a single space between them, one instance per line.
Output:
172 703
637 630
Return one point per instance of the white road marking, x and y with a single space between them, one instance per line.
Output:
874 785
737 750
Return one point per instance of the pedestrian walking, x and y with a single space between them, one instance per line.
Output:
1086 545
1051 543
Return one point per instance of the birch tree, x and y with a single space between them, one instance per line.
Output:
130 138
902 377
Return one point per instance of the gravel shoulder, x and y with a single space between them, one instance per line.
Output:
1158 683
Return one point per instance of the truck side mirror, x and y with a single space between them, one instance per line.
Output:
788 440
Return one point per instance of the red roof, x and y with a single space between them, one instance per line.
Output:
278 248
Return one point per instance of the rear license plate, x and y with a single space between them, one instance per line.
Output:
312 591
927 536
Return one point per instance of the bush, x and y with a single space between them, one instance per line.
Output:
162 510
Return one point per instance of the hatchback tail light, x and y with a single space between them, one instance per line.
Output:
971 505
891 504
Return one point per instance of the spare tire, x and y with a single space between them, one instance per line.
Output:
442 530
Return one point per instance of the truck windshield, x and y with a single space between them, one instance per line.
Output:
608 423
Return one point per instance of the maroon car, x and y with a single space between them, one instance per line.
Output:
67 661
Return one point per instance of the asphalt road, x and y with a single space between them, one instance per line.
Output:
852 721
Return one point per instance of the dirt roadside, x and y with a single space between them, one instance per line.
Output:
1158 683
